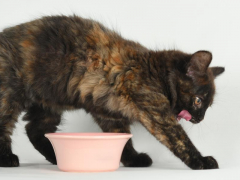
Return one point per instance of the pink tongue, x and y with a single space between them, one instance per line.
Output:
185 115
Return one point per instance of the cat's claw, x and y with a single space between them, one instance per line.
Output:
9 160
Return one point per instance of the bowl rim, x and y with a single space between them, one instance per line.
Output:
89 135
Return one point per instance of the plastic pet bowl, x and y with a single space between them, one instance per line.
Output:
88 152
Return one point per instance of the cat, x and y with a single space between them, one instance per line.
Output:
59 63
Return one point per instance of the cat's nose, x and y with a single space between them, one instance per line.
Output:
200 118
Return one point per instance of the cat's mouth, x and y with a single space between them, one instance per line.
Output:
184 114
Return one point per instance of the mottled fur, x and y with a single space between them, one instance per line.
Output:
63 63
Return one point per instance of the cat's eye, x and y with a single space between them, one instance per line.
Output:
197 101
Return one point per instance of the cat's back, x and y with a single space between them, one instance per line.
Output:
47 45
55 24
50 34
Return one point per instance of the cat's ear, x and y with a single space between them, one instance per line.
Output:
199 62
217 71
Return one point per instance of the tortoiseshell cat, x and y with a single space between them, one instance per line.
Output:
63 63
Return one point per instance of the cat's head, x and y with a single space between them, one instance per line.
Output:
195 87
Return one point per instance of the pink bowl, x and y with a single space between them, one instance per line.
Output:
88 152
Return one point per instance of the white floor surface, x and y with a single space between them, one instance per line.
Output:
157 171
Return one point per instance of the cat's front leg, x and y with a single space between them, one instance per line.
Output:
174 137
162 124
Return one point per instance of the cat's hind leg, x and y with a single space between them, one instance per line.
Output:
9 111
130 157
41 121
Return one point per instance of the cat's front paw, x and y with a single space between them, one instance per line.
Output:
9 160
210 163
139 160
207 162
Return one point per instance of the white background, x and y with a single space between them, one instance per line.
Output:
186 25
